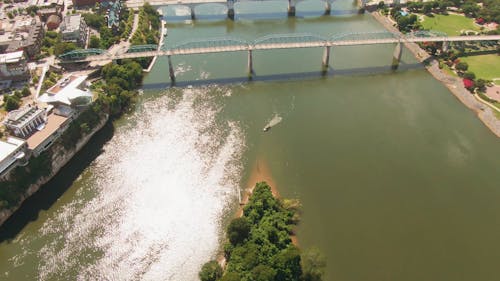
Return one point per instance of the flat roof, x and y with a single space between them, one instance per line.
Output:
11 57
9 146
66 90
54 122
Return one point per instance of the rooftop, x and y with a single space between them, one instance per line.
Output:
6 149
13 57
66 90
22 115
9 146
54 122
71 23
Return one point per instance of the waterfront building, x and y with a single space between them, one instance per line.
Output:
69 92
12 153
74 29
43 138
23 122
21 33
13 68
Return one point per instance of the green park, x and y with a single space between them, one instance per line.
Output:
450 24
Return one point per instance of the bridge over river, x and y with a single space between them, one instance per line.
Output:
229 4
273 42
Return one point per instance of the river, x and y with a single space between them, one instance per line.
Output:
398 180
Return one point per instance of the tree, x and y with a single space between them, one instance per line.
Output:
95 21
470 9
94 42
287 264
462 66
25 92
263 273
427 8
481 84
64 47
407 23
238 230
231 276
11 103
381 5
469 75
313 265
211 271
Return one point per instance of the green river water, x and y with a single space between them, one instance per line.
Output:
398 179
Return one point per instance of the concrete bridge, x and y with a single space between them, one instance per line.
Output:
273 42
229 4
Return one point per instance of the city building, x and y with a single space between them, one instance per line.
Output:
74 29
67 93
25 121
44 137
53 22
21 33
13 68
42 4
12 153
113 13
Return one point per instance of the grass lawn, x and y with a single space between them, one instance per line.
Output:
484 66
450 24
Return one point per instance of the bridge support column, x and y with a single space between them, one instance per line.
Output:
193 15
326 60
250 64
445 46
328 8
171 70
230 9
396 56
291 8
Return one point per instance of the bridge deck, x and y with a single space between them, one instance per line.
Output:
284 45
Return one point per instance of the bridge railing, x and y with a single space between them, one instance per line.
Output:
289 38
79 54
209 43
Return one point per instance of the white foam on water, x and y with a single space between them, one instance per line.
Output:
162 187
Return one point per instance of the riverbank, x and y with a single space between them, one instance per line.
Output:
454 84
60 157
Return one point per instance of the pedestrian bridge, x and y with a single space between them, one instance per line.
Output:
273 42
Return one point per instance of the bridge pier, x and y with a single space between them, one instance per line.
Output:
328 8
396 56
326 60
230 9
193 15
445 46
291 8
171 70
250 64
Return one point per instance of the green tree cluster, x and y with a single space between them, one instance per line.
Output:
148 30
260 247
120 81
22 177
53 44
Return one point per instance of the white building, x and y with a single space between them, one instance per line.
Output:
69 91
74 29
13 67
23 122
12 153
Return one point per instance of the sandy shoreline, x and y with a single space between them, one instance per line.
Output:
454 84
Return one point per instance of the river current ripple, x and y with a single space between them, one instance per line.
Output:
159 192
